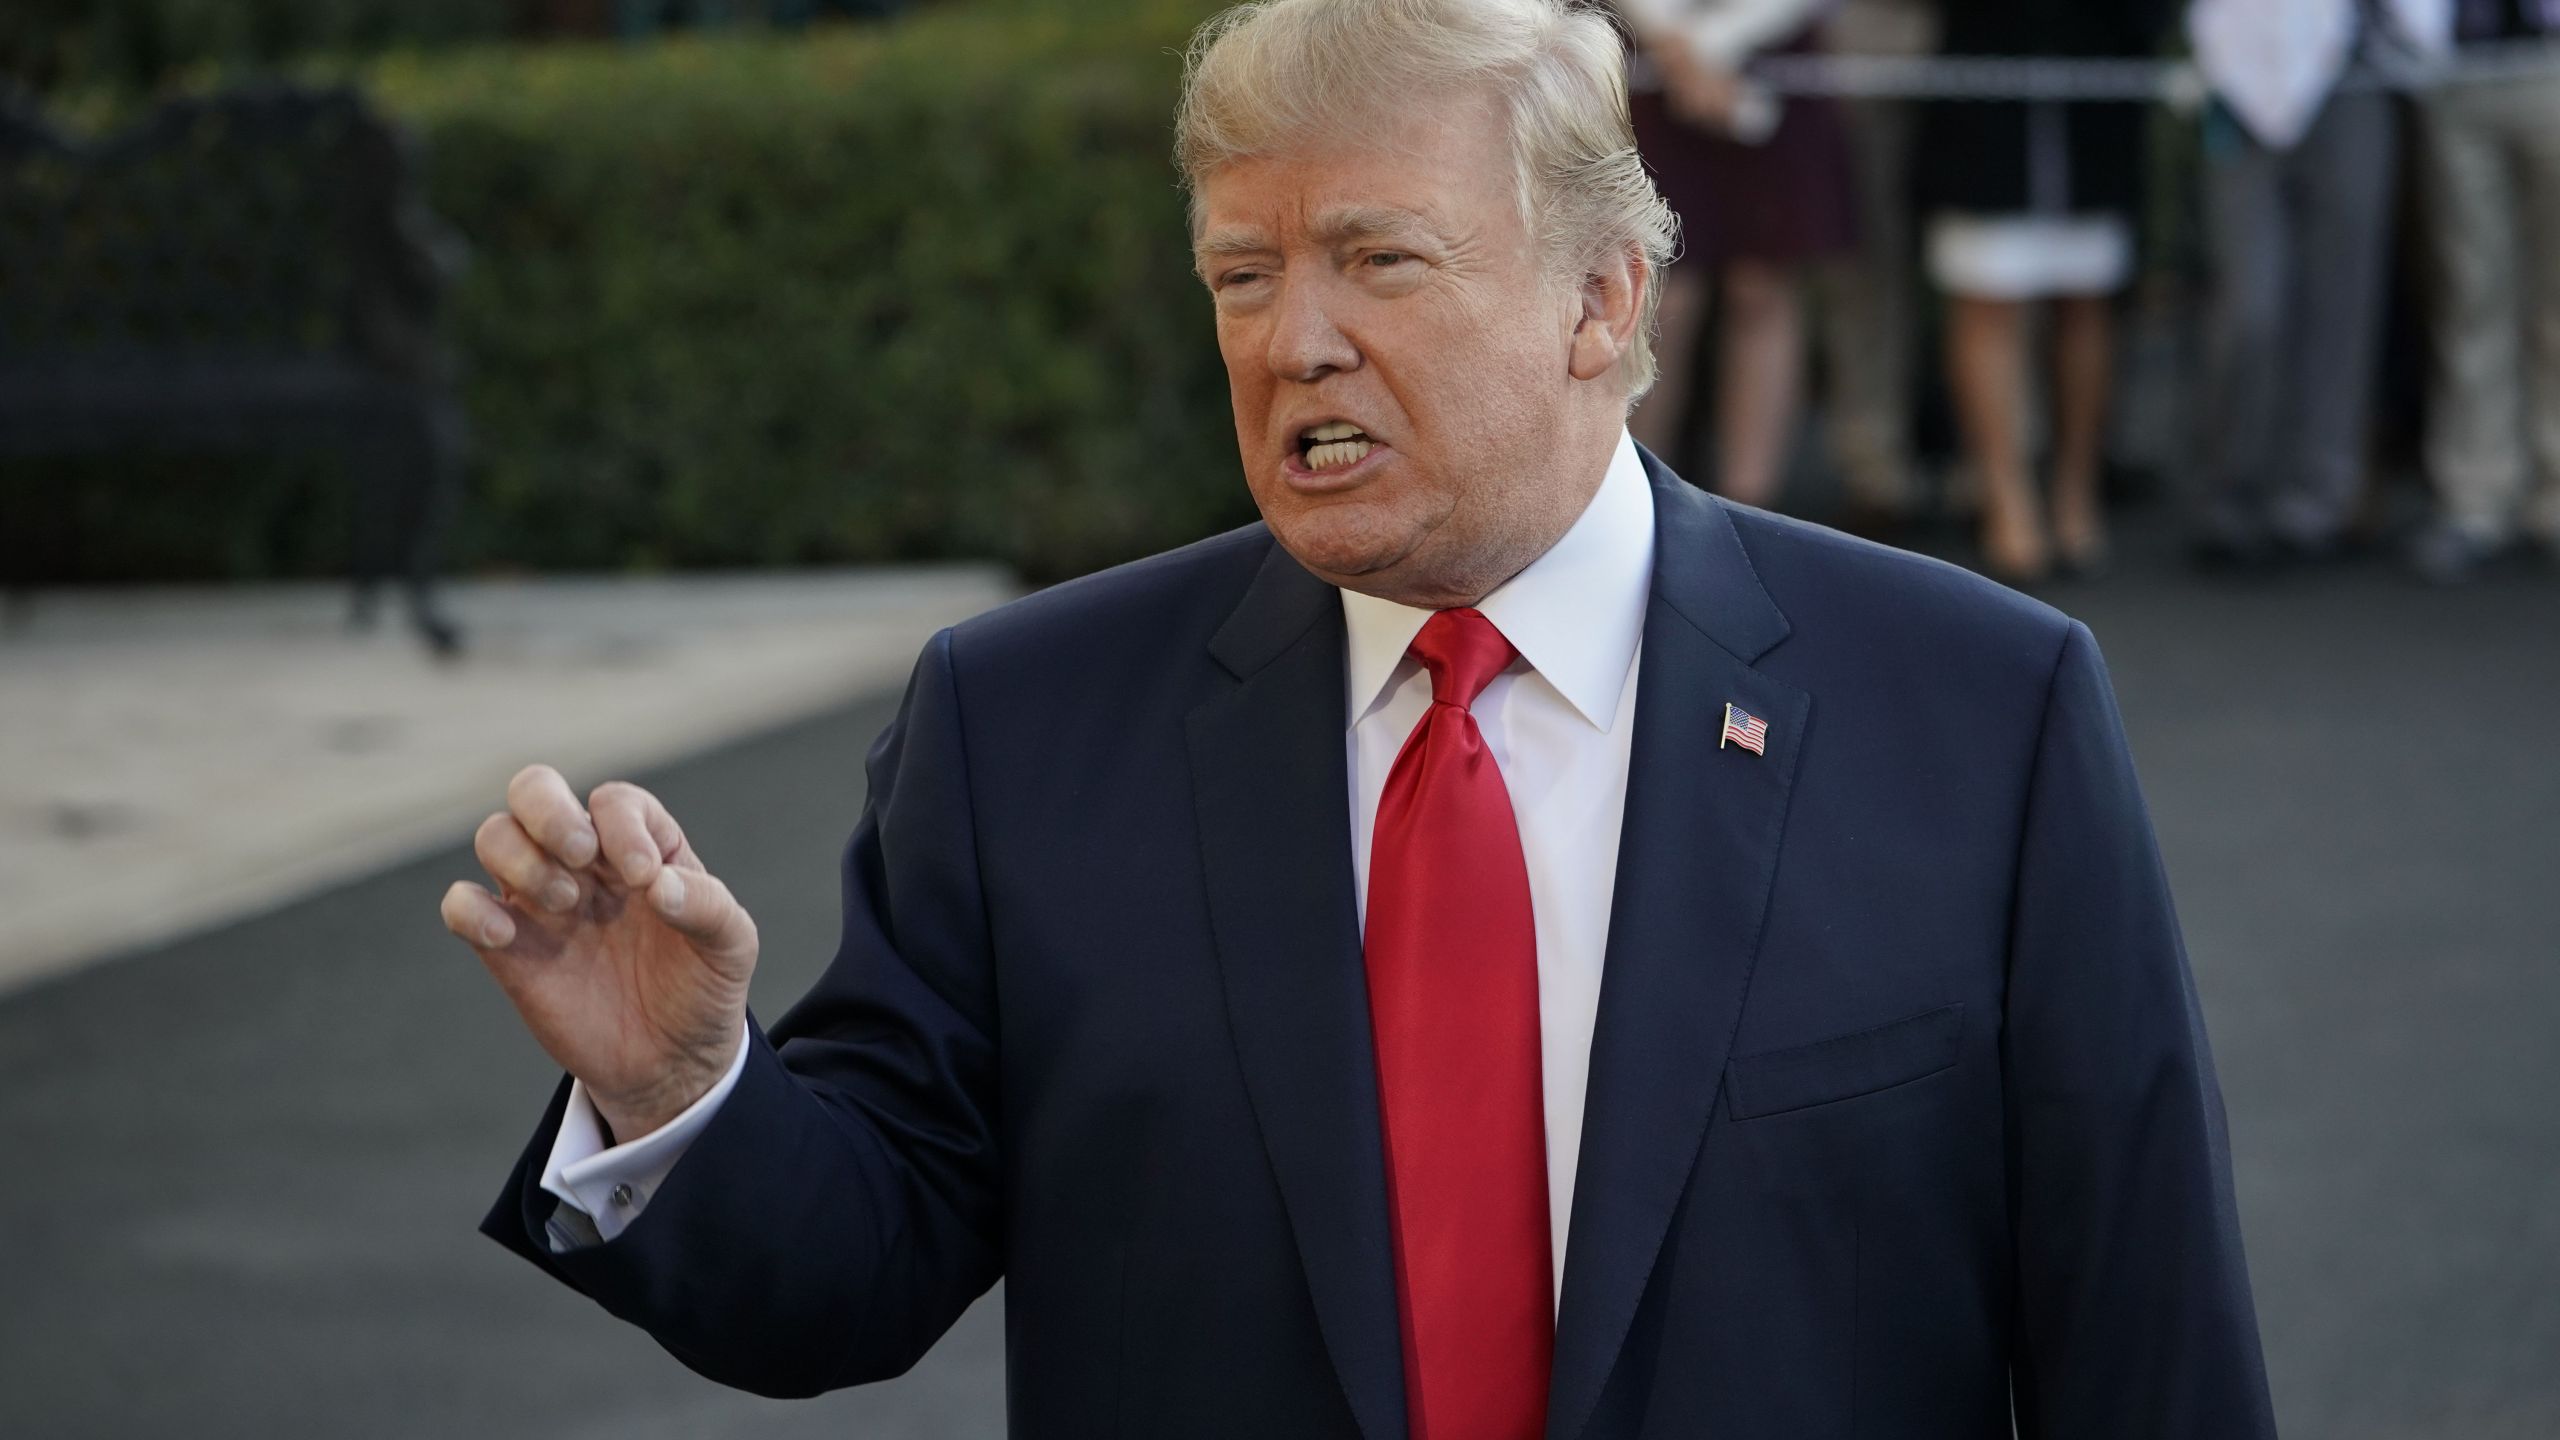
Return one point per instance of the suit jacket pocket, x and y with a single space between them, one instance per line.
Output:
1775 1081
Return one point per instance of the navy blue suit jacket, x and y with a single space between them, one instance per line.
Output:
1900 1108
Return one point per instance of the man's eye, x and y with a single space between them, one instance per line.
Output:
1385 258
1234 278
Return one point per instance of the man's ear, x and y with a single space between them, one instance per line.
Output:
1612 305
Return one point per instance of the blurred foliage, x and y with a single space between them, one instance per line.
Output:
916 292
137 45
876 293
47 45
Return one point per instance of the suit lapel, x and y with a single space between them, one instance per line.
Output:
1696 856
1273 796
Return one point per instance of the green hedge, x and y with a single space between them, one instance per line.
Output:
896 292
856 297
138 45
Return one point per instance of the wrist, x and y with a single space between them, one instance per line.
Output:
644 1110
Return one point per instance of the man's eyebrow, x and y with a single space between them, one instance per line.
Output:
1343 225
1226 245
1350 223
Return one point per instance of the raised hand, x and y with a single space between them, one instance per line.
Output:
628 961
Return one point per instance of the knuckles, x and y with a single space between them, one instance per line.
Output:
539 799
532 779
615 792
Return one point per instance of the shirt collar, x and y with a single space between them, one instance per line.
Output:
1575 614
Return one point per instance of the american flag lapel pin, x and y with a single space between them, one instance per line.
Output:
1743 728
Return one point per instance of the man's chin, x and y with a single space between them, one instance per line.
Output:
1341 544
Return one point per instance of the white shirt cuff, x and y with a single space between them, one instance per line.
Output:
612 1185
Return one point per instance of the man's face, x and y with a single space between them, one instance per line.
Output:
1398 361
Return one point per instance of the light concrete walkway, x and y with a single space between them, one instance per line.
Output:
173 758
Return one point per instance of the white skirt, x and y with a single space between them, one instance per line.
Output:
2029 257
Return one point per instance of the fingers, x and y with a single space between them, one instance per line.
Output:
636 833
697 906
540 845
541 802
513 860
477 917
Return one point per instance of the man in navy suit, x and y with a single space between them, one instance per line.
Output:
1511 946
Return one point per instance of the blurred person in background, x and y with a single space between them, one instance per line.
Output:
2027 202
1757 206
2489 156
2298 188
1866 297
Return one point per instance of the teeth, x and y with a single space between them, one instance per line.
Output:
1336 453
1333 444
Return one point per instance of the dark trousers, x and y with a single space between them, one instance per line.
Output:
2298 240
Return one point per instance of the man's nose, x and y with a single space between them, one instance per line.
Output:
1306 343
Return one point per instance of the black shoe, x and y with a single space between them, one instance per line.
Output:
2449 555
1886 524
2294 552
2229 558
2088 562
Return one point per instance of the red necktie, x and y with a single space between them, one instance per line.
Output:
1453 1000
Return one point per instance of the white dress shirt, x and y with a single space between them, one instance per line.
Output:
2274 61
1559 722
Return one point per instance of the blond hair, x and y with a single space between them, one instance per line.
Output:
1271 74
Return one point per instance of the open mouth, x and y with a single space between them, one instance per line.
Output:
1332 445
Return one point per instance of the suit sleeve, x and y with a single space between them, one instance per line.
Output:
842 1208
2133 1315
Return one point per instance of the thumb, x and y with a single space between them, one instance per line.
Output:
694 904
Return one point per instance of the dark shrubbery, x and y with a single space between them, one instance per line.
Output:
138 44
860 294
867 295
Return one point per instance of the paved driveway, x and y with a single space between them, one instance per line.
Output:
239 1174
